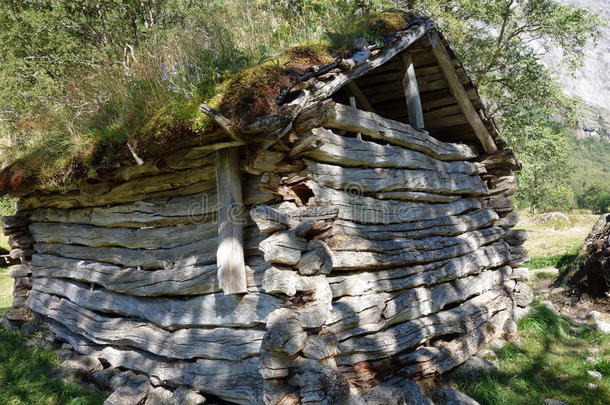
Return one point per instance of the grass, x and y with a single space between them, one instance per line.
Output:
556 244
28 376
152 101
548 362
6 291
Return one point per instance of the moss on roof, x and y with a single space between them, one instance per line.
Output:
241 97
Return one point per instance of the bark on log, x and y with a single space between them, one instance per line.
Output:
217 343
169 313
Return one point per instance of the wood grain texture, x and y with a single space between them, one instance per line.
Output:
182 279
170 313
385 179
325 146
460 94
217 343
230 253
409 83
347 118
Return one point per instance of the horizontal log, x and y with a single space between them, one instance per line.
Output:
416 196
234 381
464 319
217 343
144 238
442 226
179 280
367 210
361 315
20 270
344 117
504 186
354 253
376 180
516 237
435 360
429 274
196 252
169 313
132 190
171 210
324 146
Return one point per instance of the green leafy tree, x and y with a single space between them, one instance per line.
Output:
501 43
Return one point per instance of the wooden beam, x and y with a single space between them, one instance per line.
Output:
461 95
230 253
221 120
355 90
409 83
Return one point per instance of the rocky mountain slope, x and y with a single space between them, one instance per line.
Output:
592 81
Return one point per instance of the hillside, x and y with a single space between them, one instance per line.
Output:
591 82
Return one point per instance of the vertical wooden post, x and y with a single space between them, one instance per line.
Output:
230 254
459 92
409 82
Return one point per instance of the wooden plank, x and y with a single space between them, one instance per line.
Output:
423 275
357 254
459 92
340 116
182 279
463 319
364 102
409 83
230 254
372 180
171 313
446 225
367 210
200 206
325 146
234 381
217 343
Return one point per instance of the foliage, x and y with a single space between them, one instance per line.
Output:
28 375
82 80
501 43
591 173
548 362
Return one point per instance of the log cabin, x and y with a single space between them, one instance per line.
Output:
361 234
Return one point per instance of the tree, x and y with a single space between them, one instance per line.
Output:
501 43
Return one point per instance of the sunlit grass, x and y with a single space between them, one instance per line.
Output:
6 291
28 376
548 362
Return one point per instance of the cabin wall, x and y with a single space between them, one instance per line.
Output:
372 250
396 252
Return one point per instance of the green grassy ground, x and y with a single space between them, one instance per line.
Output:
6 291
549 361
28 376
555 244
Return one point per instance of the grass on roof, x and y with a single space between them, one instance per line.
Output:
238 60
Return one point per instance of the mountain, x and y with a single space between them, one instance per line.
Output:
592 81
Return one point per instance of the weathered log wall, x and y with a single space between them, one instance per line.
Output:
367 257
